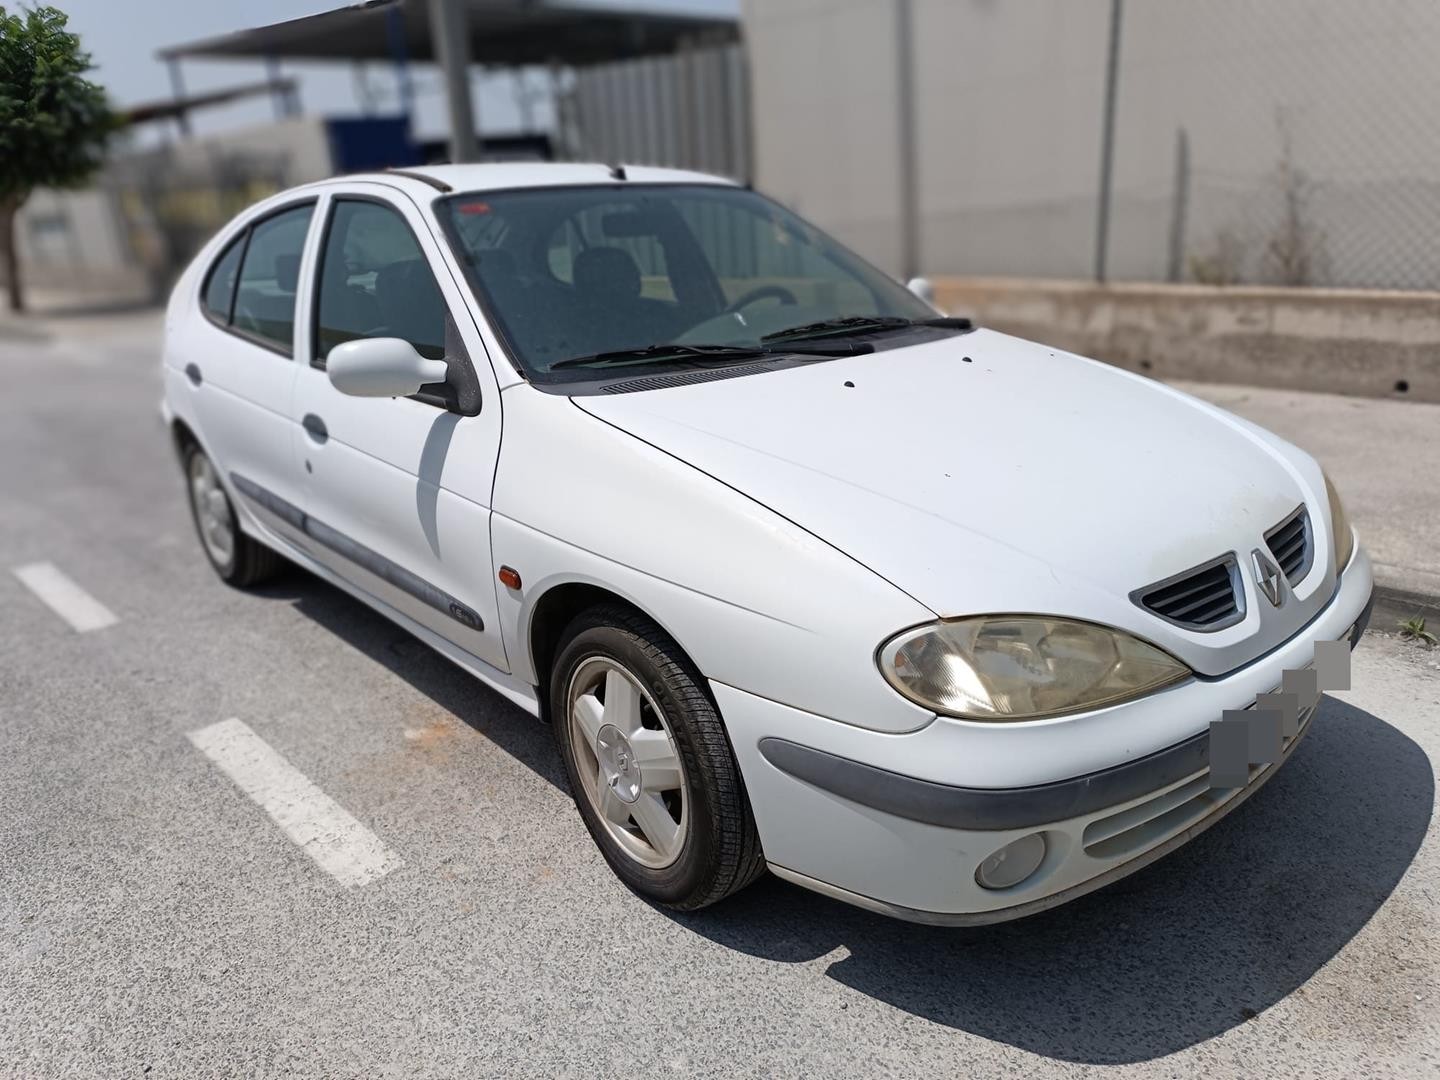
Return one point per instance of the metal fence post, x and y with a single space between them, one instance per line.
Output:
1179 206
905 103
1107 144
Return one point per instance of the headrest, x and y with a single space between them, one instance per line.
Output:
607 273
287 272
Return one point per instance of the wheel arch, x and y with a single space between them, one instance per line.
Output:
556 608
183 436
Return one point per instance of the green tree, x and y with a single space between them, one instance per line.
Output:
53 121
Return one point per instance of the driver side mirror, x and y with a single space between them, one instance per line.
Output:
381 367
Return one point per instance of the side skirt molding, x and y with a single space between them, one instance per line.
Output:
386 569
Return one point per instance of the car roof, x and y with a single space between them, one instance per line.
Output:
529 174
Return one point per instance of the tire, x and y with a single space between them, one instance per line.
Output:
240 560
716 849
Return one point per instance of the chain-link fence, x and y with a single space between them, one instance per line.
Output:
1289 142
1293 142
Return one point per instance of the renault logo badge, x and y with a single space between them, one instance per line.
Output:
1268 577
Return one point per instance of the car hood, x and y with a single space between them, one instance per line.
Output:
983 473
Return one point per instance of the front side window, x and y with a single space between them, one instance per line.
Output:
375 282
265 294
575 272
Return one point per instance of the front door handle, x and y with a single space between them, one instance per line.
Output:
315 427
192 372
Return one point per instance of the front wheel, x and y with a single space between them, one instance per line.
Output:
649 762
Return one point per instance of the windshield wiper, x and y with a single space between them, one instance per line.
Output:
861 324
843 324
660 353
722 354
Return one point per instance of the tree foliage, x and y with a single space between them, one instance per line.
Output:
53 121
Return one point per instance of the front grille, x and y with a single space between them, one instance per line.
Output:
1292 546
1205 597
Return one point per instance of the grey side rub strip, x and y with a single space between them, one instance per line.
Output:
386 569
288 512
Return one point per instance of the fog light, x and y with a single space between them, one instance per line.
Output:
1013 863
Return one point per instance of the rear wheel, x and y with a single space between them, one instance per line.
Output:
649 762
238 559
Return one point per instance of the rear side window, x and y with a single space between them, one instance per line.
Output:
375 282
220 288
265 294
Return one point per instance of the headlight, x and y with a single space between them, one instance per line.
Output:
1340 526
1022 667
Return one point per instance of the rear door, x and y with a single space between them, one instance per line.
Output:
397 497
235 366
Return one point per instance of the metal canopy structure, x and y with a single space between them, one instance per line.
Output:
457 33
499 33
176 108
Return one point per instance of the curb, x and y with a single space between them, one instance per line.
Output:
1399 604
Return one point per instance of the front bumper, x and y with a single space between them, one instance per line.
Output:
837 815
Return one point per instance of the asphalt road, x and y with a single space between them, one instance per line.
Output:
155 921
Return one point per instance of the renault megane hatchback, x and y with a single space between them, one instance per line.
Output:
804 575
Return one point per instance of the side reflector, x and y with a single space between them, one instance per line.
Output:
509 577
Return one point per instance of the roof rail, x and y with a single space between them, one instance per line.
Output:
438 185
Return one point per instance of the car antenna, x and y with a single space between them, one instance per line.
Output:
617 171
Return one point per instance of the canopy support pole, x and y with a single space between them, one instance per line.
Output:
450 35
177 90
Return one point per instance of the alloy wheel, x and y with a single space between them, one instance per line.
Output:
627 762
212 511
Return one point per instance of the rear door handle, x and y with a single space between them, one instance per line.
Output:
192 372
315 427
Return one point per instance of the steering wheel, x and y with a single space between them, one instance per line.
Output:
764 292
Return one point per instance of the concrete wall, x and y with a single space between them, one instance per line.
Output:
1331 100
73 240
823 84
1368 343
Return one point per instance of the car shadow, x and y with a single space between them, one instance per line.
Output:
1181 951
1197 943
457 691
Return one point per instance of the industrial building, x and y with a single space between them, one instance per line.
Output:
1219 143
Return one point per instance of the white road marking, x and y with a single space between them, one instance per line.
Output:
62 596
316 823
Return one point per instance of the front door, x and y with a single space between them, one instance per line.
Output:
398 489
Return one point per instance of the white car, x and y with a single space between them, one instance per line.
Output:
804 575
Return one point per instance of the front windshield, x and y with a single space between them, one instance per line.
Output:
576 272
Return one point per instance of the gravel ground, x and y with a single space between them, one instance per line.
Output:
153 921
